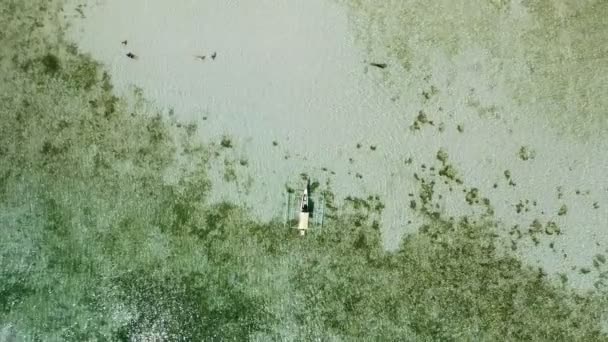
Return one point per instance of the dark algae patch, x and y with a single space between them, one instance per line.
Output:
226 142
526 153
51 63
98 245
447 170
420 121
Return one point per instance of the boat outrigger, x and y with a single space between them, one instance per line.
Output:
309 212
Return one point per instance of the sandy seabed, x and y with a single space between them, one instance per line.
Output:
291 86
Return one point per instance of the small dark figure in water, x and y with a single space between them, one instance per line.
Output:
124 42
131 55
202 58
214 55
379 65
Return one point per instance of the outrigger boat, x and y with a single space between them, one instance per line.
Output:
304 213
306 209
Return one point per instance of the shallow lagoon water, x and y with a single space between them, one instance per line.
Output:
292 90
105 235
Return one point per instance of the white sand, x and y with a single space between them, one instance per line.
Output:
291 72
